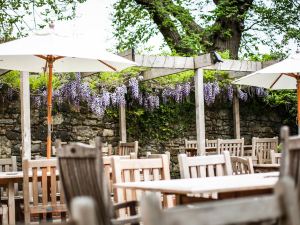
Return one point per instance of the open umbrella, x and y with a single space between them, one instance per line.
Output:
58 53
282 75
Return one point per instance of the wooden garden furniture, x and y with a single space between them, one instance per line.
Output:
135 170
261 148
225 186
190 143
234 146
290 163
9 165
82 174
126 148
46 196
275 157
211 143
204 166
281 205
241 165
9 179
149 155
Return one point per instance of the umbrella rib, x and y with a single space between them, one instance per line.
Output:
276 81
106 64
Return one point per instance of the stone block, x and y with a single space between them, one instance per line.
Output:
108 133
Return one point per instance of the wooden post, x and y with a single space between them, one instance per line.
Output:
236 115
122 123
25 115
200 116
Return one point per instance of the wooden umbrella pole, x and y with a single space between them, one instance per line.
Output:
49 102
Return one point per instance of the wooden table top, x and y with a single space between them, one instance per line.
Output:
276 166
221 184
17 176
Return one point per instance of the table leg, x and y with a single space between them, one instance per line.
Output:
11 203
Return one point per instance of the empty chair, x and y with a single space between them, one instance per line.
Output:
290 162
241 165
205 166
139 170
8 165
275 157
46 198
190 143
190 147
4 214
127 148
282 206
234 146
151 156
82 174
211 143
262 146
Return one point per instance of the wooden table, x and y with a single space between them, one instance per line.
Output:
9 179
266 167
225 186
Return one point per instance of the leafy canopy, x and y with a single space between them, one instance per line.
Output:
195 26
15 14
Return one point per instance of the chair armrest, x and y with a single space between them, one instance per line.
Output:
125 205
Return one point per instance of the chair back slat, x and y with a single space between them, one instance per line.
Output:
82 175
135 170
127 148
41 174
211 143
190 143
242 165
261 148
203 166
234 146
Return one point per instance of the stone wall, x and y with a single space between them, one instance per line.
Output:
256 120
68 125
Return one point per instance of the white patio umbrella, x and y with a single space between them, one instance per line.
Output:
57 53
282 75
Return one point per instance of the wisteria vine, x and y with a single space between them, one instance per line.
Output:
76 92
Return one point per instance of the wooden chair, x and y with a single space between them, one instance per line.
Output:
282 206
241 165
205 166
275 157
125 148
45 193
139 170
211 143
234 146
261 147
190 143
149 155
82 174
9 165
4 214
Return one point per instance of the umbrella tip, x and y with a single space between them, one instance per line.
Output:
51 25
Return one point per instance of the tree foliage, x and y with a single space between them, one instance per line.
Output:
195 26
15 14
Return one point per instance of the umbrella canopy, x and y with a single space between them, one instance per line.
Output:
282 75
58 53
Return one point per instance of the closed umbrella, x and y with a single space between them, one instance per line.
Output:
58 53
279 76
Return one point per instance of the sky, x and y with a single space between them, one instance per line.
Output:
94 21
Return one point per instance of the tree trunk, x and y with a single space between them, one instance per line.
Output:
231 40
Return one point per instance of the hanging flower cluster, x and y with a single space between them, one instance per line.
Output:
77 91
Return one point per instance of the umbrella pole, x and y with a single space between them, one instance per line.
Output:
49 105
298 104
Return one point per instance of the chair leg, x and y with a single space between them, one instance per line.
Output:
4 215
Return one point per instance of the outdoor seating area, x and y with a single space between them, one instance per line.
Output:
132 112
